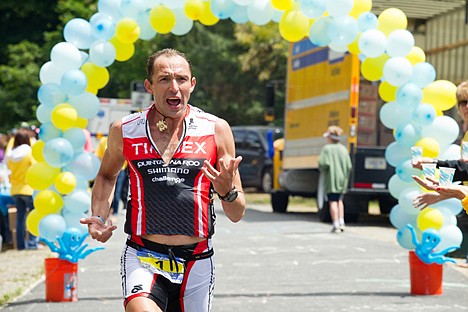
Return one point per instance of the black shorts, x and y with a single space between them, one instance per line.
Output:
334 197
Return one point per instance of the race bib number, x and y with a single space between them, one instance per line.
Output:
171 268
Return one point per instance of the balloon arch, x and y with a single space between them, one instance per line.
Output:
77 69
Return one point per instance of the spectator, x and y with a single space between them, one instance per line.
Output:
19 161
335 165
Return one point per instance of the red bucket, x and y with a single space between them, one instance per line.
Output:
61 280
426 279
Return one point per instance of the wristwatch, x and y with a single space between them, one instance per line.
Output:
229 197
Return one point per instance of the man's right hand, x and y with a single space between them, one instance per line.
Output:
425 160
98 230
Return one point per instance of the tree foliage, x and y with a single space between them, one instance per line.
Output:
232 63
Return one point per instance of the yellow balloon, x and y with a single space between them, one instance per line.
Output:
416 55
282 5
91 90
372 68
127 30
353 47
430 147
207 17
41 175
162 19
123 51
194 9
81 122
97 76
63 116
294 25
387 91
441 94
430 218
392 19
65 182
32 222
47 202
359 7
37 149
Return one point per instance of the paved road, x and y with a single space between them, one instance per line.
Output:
282 262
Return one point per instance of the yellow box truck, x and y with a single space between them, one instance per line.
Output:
324 88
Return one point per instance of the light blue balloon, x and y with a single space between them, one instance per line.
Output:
52 226
76 137
51 94
423 74
407 135
260 12
173 4
86 104
340 48
58 152
43 113
405 170
366 21
84 165
277 15
48 131
450 235
102 26
111 8
424 115
396 186
313 8
392 115
444 129
318 33
183 23
102 53
409 94
132 8
400 43
339 8
239 16
78 32
72 221
397 71
65 56
405 238
372 43
77 202
451 152
147 31
395 154
222 8
399 218
73 82
343 31
452 204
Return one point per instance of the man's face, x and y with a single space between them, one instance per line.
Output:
171 85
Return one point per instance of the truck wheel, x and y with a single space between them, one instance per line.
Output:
386 203
267 181
279 201
354 205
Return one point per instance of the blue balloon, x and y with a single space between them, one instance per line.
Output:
366 21
84 165
102 26
393 115
313 8
339 8
77 202
183 23
239 16
132 8
405 170
260 12
372 43
86 104
52 226
452 204
73 82
222 8
396 153
424 115
73 221
147 31
58 152
318 33
50 94
396 186
102 53
407 135
409 94
423 74
48 131
43 113
400 43
76 137
397 70
78 32
405 239
343 30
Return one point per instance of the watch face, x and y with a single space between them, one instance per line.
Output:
232 196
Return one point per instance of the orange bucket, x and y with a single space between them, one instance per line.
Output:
426 279
61 280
